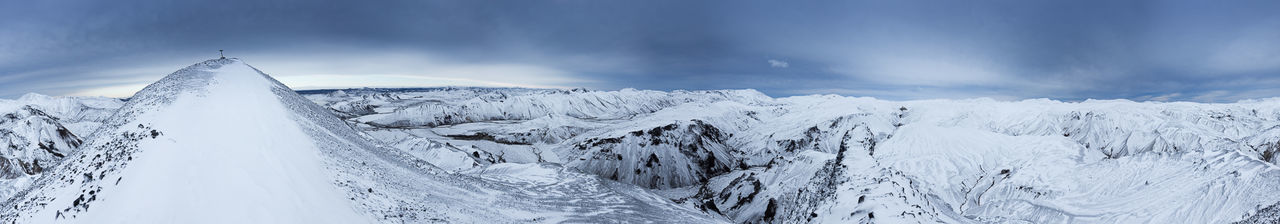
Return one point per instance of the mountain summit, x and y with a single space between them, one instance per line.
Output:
222 142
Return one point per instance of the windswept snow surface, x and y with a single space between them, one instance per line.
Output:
220 142
832 159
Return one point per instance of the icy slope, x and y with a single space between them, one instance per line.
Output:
220 142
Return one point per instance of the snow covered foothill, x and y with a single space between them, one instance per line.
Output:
37 131
32 141
674 147
435 107
79 114
550 129
745 195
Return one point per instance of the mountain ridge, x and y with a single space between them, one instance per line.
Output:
220 141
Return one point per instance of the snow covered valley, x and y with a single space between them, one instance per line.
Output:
221 142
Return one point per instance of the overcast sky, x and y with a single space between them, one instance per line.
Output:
1208 51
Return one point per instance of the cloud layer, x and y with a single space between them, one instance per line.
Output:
1071 50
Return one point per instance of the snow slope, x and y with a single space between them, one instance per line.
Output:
220 142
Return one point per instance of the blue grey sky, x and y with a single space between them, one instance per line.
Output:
1206 51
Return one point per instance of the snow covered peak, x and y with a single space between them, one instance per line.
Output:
31 97
196 75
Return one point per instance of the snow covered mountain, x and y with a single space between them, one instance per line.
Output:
832 159
37 131
221 142
79 114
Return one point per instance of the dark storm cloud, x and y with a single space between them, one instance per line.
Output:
1157 50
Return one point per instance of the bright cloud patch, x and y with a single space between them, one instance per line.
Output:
778 64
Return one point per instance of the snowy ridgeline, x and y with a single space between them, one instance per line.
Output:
748 157
222 142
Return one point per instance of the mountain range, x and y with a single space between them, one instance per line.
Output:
223 142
